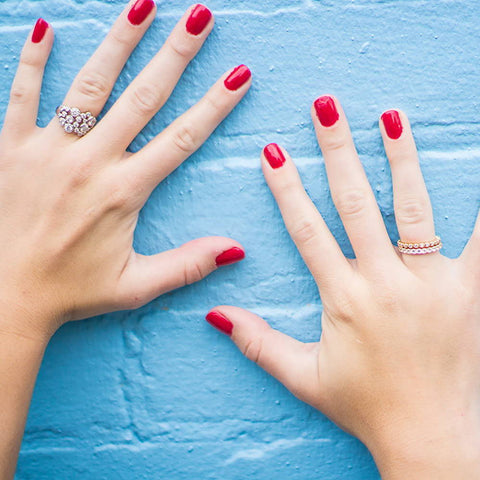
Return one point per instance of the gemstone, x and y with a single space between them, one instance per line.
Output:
68 128
69 119
75 112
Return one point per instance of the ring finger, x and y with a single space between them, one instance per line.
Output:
413 211
94 83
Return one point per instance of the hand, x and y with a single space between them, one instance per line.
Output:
70 205
398 362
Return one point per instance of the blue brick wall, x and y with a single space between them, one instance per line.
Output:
159 394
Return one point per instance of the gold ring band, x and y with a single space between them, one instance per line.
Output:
420 248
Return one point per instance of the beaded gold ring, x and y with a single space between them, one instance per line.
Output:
420 248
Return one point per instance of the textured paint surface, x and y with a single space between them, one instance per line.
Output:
159 394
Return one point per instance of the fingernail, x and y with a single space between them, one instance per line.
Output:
238 77
220 322
198 19
232 255
274 155
326 111
393 124
140 11
40 30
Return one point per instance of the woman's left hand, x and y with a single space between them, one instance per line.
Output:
70 205
398 362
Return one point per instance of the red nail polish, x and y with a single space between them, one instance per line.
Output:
40 30
198 20
274 155
220 322
140 11
238 77
230 256
326 111
393 124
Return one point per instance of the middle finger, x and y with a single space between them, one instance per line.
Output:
351 191
154 85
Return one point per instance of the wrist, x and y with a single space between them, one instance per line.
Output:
33 323
446 448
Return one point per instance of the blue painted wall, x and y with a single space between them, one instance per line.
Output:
159 394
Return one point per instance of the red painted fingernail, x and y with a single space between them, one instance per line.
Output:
140 11
274 155
393 124
198 19
238 77
220 322
232 255
326 111
40 30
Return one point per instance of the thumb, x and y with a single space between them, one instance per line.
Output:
293 363
147 277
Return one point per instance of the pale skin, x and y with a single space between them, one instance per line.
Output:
398 361
397 369
70 205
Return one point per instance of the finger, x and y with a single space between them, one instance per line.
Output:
188 132
21 116
293 363
94 83
306 226
349 185
152 88
413 211
146 278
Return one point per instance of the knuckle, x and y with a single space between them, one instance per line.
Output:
411 210
146 100
119 198
215 104
81 171
193 272
334 142
93 85
253 349
119 37
19 94
184 50
305 231
184 139
351 203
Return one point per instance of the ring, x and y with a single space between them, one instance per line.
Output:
74 121
420 248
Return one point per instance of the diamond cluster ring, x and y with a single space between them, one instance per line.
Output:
74 121
420 248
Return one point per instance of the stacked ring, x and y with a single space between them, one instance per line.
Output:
420 248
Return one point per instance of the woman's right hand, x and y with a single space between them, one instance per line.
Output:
398 362
70 205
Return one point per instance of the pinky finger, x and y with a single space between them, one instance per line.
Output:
22 110
293 363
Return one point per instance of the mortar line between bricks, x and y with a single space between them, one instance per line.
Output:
246 162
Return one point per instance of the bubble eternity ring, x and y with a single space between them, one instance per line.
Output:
74 121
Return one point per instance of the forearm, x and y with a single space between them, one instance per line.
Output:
20 359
